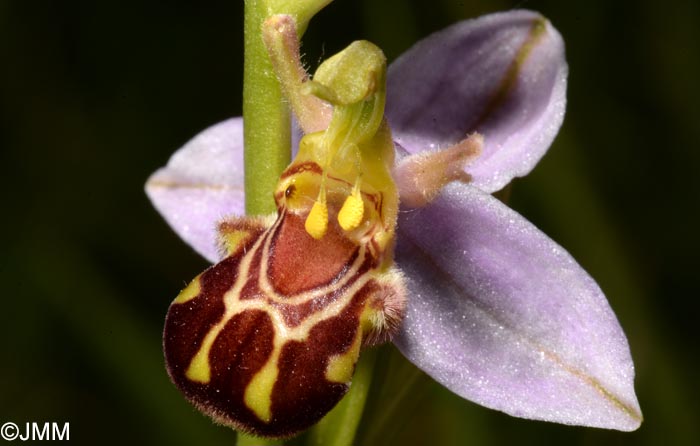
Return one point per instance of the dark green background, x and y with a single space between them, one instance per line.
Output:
95 95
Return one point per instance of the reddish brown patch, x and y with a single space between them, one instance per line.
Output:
299 263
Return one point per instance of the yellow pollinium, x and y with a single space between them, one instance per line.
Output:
317 222
350 215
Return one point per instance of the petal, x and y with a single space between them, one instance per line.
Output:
201 184
503 75
503 316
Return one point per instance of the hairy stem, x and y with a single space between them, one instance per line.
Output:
266 118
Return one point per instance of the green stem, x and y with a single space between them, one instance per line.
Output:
266 123
266 129
338 428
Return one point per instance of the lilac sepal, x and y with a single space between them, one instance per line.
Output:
448 85
503 316
201 184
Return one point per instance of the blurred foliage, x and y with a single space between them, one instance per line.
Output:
96 95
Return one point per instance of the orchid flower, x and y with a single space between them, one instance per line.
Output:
497 312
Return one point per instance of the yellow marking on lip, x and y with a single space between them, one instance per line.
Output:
341 367
258 393
301 331
190 292
232 240
199 369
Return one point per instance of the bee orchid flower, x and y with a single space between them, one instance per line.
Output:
496 311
